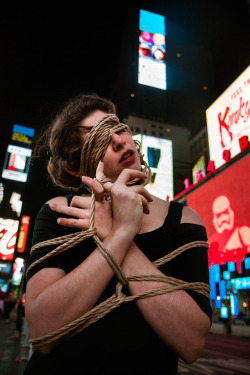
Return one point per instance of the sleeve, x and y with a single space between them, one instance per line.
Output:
192 265
46 228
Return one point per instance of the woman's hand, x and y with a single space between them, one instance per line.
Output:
129 203
80 209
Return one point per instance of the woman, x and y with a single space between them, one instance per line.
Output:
142 337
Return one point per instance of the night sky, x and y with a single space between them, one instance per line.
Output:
49 54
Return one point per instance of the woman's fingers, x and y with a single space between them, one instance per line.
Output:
99 170
139 189
125 176
95 186
129 174
76 223
71 211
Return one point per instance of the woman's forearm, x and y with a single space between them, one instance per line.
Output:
175 316
54 299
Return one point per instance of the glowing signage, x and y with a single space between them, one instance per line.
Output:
224 312
22 134
8 236
23 234
223 204
241 283
228 121
16 203
152 49
158 155
16 165
17 271
199 170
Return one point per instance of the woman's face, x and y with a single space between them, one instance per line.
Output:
121 152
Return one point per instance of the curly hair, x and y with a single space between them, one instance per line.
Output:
61 140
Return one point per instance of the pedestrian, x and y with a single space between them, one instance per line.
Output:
8 306
90 152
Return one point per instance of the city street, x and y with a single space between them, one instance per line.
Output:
222 355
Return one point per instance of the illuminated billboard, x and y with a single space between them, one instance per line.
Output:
8 236
199 169
223 203
16 165
23 234
228 120
225 213
152 50
22 135
158 155
18 266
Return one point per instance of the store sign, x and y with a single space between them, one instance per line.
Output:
228 121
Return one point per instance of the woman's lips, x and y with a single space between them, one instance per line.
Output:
127 157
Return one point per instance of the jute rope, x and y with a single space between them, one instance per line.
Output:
68 241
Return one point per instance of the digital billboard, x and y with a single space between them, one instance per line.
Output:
16 164
225 213
158 155
152 50
8 236
11 198
228 121
223 204
22 135
18 266
199 170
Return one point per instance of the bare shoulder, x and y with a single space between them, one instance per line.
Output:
58 200
190 216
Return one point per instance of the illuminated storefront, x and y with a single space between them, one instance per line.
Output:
222 199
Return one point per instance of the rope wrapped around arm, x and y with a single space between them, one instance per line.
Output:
100 310
98 140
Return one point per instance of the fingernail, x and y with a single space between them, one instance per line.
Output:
52 206
59 220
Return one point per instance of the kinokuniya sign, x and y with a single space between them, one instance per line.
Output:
228 121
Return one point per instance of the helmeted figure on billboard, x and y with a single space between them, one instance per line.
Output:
230 242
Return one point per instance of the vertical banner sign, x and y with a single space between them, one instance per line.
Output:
228 121
152 50
23 234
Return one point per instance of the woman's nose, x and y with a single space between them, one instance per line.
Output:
117 141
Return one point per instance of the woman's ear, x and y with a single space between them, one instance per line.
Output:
73 173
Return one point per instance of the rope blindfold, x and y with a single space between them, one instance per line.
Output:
97 142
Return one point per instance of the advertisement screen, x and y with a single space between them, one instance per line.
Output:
199 169
223 204
158 155
8 236
152 50
17 271
11 198
228 120
16 165
22 135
